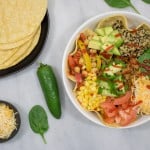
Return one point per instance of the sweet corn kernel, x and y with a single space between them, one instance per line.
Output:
88 95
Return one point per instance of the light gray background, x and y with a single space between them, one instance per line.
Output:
72 131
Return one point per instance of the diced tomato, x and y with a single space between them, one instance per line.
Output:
133 45
82 37
109 120
106 55
133 31
120 110
118 119
127 118
127 110
76 60
109 108
123 114
71 62
109 48
148 86
123 99
78 77
125 105
108 105
93 54
112 113
77 54
118 35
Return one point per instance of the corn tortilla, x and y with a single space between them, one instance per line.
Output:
7 54
109 21
20 18
8 46
22 52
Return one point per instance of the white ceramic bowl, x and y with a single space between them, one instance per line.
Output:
133 19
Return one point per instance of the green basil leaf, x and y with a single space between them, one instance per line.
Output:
38 120
146 1
144 56
121 4
118 3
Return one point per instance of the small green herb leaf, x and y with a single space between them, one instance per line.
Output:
146 1
121 4
145 56
38 120
118 3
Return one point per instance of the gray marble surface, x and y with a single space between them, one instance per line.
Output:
72 131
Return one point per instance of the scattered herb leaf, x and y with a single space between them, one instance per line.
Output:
38 120
121 4
143 57
146 1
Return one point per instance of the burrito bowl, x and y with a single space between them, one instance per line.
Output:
106 69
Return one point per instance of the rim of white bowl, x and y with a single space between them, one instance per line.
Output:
82 111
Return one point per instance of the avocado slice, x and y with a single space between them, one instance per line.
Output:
110 48
106 45
114 32
118 41
95 45
108 30
115 51
107 40
100 32
111 39
103 39
96 38
104 31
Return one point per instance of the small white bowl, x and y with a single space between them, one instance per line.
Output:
133 19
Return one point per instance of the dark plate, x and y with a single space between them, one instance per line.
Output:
18 121
33 55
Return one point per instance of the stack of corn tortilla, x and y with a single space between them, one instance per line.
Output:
20 28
